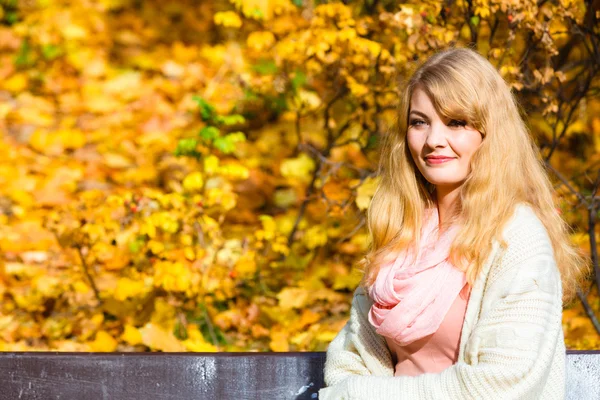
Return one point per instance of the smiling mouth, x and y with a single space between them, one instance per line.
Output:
438 160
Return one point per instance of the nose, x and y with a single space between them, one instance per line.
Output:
436 136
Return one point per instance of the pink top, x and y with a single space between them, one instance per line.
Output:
438 351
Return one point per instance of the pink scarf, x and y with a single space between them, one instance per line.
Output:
411 298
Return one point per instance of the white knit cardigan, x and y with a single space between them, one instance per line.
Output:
511 347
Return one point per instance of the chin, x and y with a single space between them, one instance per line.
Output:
437 181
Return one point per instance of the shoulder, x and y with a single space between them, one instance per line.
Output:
528 248
525 234
524 221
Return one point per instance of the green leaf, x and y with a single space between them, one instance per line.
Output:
257 13
223 145
231 119
475 20
136 246
179 331
207 110
11 17
186 147
265 67
228 143
298 80
51 51
24 57
250 95
277 104
209 133
372 142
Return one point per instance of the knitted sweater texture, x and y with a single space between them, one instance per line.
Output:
512 343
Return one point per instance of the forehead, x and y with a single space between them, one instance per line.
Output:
420 101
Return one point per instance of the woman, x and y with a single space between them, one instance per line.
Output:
469 262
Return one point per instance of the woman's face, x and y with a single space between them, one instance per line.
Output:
441 148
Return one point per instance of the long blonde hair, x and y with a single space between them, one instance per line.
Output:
505 170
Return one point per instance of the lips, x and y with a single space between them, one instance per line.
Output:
438 159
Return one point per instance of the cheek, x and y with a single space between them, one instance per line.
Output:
467 145
415 144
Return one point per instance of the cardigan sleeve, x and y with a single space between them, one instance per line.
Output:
511 349
357 350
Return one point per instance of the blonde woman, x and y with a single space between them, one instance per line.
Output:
469 262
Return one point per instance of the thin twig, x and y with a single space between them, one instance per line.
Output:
307 195
200 234
589 311
297 127
360 224
566 183
592 235
578 97
211 329
86 271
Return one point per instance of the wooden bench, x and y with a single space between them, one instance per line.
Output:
171 376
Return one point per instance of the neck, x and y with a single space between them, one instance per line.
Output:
446 198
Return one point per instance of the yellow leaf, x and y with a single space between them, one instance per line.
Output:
156 246
260 40
299 168
189 253
173 277
211 164
326 336
171 69
115 160
279 341
19 269
357 89
156 338
72 32
372 47
48 286
16 83
315 236
72 139
308 317
45 142
306 100
292 298
234 171
128 288
195 341
126 86
193 182
336 190
149 229
228 19
103 342
81 287
102 103
365 193
348 281
131 335
246 265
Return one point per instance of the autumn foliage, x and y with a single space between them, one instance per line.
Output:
193 175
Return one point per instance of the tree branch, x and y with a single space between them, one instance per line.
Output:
87 274
588 310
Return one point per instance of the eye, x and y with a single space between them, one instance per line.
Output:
457 123
416 122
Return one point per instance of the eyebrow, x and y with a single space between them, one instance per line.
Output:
419 113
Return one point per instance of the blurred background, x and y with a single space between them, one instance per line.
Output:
193 175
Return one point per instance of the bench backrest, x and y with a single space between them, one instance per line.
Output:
149 376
